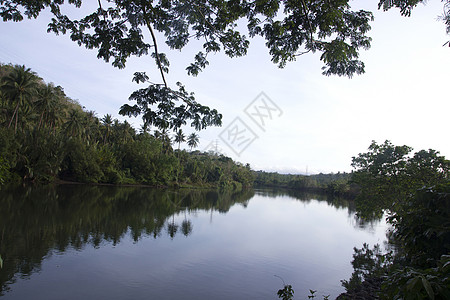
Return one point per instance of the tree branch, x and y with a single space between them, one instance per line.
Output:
100 6
158 61
305 10
215 31
302 53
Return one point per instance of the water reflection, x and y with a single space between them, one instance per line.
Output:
365 223
36 222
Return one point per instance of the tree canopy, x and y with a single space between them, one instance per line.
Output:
45 136
119 29
387 174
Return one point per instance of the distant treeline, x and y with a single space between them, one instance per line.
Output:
46 136
337 184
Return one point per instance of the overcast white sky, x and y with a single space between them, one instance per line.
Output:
317 124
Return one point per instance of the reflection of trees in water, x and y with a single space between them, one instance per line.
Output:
186 227
36 221
360 219
172 228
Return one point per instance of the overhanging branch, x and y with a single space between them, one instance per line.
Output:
158 61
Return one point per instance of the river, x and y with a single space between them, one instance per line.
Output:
102 242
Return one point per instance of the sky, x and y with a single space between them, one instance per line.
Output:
292 120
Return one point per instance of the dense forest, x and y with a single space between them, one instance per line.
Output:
46 136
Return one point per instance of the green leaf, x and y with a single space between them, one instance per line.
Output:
446 266
411 283
428 288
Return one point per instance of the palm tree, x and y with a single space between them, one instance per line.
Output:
193 140
74 124
55 118
27 119
122 133
179 138
107 121
127 132
163 136
91 125
46 101
19 87
58 110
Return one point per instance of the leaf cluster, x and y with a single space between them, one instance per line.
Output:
388 174
119 29
414 283
290 28
286 293
158 106
421 226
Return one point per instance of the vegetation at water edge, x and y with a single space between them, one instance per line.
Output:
46 136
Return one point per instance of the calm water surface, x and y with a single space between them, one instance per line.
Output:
80 242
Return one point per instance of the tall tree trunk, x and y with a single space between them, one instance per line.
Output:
40 119
17 118
15 112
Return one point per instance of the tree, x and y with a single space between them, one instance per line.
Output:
107 122
387 175
19 87
193 140
91 125
56 115
179 138
380 173
414 190
126 132
45 101
73 125
307 26
422 225
123 28
429 167
164 137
